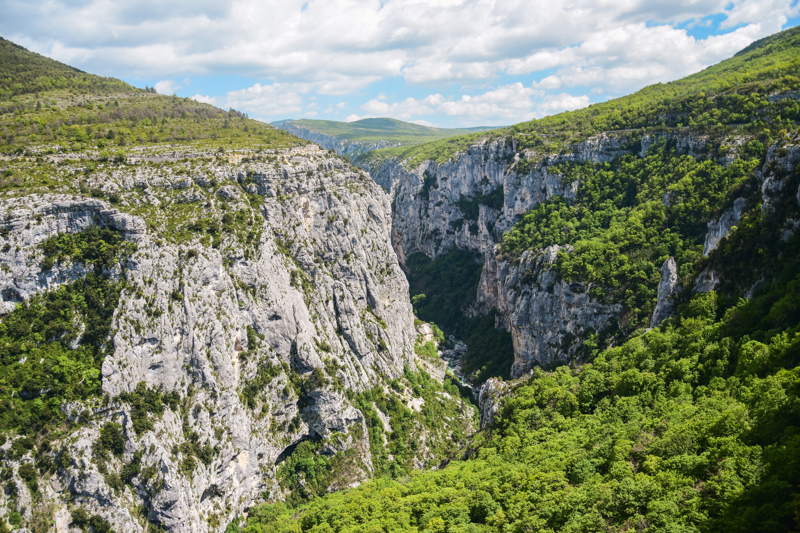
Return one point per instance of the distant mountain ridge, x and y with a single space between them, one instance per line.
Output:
354 139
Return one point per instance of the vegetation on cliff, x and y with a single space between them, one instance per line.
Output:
441 290
53 345
693 426
629 216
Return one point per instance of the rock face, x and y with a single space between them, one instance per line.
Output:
469 201
667 288
490 399
720 228
546 317
302 280
345 147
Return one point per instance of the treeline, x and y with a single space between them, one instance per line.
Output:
126 119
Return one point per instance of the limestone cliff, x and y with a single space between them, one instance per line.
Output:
262 295
470 200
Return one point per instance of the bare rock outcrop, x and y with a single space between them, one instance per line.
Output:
667 288
280 267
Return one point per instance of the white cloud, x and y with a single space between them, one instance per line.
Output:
340 47
277 99
167 87
506 104
213 100
557 103
346 44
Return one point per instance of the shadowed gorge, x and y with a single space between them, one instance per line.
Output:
582 323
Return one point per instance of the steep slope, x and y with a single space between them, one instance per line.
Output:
353 139
686 238
588 207
200 312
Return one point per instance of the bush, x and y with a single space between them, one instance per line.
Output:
112 438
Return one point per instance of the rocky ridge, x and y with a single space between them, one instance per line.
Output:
471 200
300 282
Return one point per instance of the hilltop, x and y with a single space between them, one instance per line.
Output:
362 136
47 107
376 129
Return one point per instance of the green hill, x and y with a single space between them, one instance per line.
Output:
693 426
24 72
725 94
380 129
48 107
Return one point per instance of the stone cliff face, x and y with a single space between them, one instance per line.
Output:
545 316
471 200
313 294
345 147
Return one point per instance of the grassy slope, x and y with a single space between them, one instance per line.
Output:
47 107
692 426
767 66
382 129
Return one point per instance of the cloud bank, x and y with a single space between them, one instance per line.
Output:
466 61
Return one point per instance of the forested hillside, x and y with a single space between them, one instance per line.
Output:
692 425
48 107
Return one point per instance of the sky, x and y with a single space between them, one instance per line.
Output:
445 63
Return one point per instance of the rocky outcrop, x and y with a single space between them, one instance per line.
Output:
298 279
428 201
667 288
490 399
720 228
547 317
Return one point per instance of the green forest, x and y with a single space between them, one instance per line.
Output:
622 229
692 426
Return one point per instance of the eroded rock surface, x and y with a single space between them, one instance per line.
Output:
547 318
298 280
667 288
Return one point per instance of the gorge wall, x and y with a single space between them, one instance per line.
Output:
472 199
263 330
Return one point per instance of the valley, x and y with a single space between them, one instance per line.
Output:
213 324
